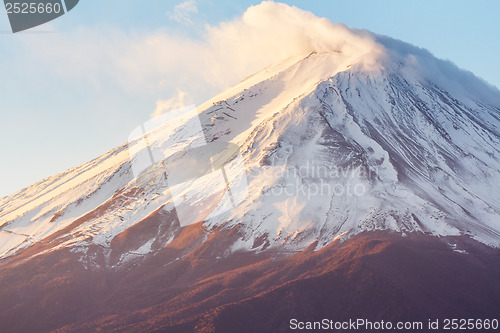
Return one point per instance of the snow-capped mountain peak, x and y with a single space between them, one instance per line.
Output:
378 135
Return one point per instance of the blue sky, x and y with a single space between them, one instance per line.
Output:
75 87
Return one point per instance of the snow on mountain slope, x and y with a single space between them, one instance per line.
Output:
334 143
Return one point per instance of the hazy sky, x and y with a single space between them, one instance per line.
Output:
75 87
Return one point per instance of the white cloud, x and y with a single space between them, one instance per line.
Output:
176 102
182 12
161 64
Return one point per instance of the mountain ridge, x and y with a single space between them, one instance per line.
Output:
368 112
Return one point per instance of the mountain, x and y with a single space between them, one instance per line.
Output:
349 161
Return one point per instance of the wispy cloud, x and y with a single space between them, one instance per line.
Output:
161 63
180 100
183 11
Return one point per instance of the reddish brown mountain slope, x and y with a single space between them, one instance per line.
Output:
373 275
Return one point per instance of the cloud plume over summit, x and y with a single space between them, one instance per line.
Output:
161 63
